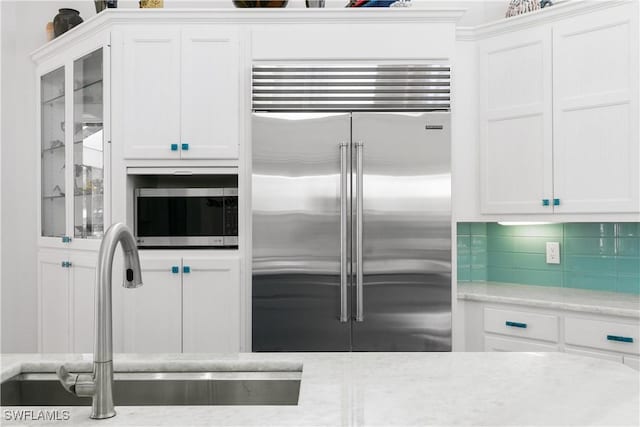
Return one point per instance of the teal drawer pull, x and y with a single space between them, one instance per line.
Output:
185 147
174 147
545 202
619 339
515 324
556 202
186 269
175 269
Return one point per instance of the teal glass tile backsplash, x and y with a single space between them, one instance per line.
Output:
597 256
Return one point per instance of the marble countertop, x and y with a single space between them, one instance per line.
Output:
385 389
610 303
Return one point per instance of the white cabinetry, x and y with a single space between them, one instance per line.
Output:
179 92
66 304
516 121
595 114
188 304
492 326
558 116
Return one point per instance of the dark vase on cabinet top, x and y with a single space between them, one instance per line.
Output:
65 20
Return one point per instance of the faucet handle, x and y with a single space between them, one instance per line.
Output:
82 385
67 379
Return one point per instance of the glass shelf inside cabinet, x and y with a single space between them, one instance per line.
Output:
52 95
88 144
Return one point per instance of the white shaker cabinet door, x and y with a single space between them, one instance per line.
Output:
152 312
211 305
83 283
54 302
210 93
150 97
515 122
595 83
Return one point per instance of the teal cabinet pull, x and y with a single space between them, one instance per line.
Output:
63 264
174 147
66 264
186 269
545 202
66 239
619 339
175 269
185 147
556 202
515 324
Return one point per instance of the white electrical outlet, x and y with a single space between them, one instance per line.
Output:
553 252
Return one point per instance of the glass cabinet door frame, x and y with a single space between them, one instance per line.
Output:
67 59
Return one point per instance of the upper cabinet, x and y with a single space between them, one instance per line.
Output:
72 147
516 121
180 92
595 114
558 116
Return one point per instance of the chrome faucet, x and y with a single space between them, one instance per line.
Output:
99 384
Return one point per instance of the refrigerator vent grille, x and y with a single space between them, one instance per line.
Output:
351 87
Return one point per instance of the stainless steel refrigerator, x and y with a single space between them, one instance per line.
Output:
351 209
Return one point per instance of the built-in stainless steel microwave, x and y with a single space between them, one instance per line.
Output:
186 217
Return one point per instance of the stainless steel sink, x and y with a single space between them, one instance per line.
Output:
162 388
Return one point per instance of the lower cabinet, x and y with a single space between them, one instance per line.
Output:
508 327
187 304
66 289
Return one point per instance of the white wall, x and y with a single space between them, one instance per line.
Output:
23 30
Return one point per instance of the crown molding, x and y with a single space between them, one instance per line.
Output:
547 15
255 16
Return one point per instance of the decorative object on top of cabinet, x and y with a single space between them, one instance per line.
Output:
315 3
545 3
65 20
371 3
518 7
260 3
49 30
151 4
103 4
401 3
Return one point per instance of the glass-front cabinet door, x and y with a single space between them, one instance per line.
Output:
72 156
88 143
53 170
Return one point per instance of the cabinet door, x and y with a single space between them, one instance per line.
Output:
53 185
152 314
210 84
211 310
53 301
82 286
515 122
151 97
595 81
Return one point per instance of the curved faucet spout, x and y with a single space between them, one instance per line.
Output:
117 233
100 384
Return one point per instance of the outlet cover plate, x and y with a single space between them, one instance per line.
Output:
553 252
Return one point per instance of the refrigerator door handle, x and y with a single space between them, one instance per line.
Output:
343 231
359 215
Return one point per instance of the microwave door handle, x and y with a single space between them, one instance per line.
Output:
343 231
359 213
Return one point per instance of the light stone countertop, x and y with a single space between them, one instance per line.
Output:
581 300
385 389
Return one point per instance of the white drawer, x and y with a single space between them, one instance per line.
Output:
595 354
521 324
632 361
607 335
492 343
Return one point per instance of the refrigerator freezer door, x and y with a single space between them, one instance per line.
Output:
296 232
406 232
